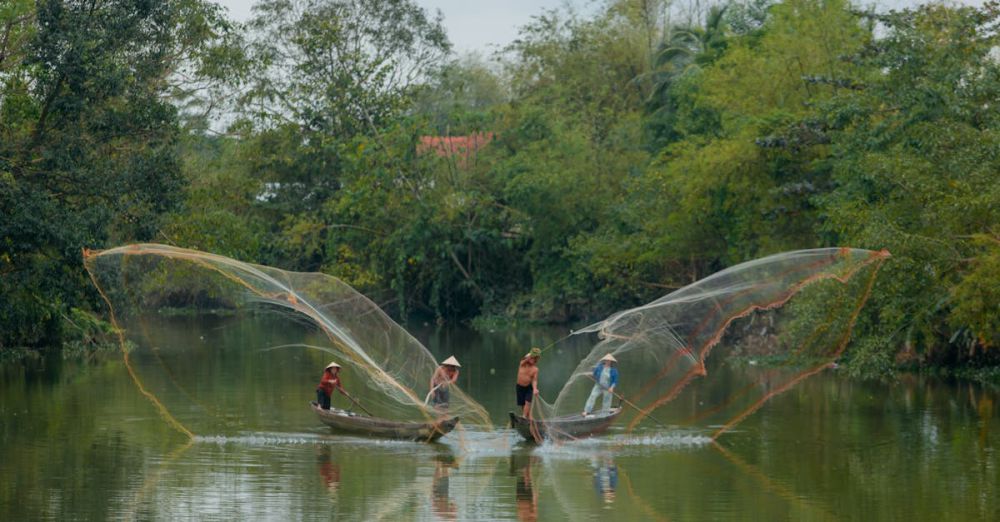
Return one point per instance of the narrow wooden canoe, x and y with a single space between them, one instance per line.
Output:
563 428
357 424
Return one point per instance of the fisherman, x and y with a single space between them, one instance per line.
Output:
605 377
330 380
444 375
527 381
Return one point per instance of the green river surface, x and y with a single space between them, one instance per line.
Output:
80 441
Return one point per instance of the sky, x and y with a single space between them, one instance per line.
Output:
485 25
472 25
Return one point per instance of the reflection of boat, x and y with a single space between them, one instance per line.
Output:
358 424
561 428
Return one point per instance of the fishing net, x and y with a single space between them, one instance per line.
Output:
767 324
186 318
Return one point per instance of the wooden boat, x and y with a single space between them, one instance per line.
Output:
353 423
563 428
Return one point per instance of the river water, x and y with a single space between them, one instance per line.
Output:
80 441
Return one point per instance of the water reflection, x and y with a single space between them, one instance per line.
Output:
525 493
983 402
329 471
605 477
441 504
78 442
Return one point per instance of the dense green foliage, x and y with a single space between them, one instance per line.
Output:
629 153
88 142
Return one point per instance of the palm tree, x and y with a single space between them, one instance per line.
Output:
685 51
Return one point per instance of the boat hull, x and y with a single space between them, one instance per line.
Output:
563 428
353 423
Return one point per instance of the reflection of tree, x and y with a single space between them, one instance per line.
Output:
441 503
984 409
525 493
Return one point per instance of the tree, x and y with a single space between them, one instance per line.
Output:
678 60
87 145
460 97
915 167
338 67
568 143
326 77
741 150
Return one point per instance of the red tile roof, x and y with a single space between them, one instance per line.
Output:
462 148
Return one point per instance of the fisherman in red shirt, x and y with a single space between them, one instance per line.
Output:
331 380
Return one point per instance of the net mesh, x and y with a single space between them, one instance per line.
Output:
768 324
321 313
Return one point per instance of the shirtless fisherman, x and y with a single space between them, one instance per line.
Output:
527 381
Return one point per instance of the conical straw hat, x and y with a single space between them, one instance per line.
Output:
452 361
609 357
332 365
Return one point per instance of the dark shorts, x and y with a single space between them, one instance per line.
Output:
523 394
441 397
322 399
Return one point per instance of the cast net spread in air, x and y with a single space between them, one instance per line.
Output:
241 334
767 324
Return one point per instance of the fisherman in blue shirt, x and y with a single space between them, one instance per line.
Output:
605 378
